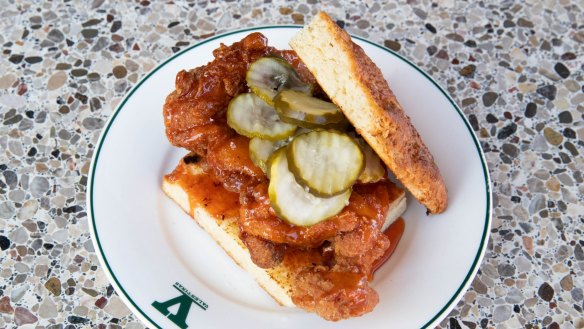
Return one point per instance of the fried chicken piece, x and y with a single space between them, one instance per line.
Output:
333 294
359 249
194 114
263 253
231 163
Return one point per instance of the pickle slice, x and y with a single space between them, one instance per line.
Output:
260 151
252 117
293 203
269 75
326 162
341 126
374 169
306 111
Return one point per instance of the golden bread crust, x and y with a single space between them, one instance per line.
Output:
367 101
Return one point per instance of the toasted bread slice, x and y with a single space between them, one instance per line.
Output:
277 280
357 86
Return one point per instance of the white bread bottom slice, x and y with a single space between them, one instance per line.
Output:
276 281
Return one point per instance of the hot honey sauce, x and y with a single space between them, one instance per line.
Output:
394 232
206 191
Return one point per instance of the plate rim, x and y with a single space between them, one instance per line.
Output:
440 315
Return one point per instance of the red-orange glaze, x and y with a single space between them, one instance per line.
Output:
206 191
394 232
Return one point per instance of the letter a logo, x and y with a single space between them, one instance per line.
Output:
184 301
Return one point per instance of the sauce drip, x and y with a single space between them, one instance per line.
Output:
394 232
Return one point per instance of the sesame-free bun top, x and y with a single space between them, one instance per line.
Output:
355 84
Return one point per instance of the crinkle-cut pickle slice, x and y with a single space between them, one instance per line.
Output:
252 117
268 75
343 125
260 151
374 169
306 111
293 203
326 162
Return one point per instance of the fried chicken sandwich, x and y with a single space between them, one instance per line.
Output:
287 170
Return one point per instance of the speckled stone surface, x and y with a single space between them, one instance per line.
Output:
514 67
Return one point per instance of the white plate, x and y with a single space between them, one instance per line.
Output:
149 247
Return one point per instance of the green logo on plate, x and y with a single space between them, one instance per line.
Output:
184 301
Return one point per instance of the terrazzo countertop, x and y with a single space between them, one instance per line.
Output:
514 67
